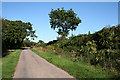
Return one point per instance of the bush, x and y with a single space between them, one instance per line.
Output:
4 49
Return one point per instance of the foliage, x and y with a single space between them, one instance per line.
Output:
4 49
40 45
78 70
63 21
14 32
40 41
100 48
28 43
52 42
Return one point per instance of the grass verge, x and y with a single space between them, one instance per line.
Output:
78 70
9 63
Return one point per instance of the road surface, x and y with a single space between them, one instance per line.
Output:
31 65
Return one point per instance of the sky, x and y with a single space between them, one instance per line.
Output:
60 0
94 16
119 13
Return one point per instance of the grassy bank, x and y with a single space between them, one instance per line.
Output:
9 63
77 70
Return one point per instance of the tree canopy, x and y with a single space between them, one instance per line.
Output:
63 21
14 32
40 41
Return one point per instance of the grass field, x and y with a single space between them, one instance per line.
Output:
9 63
77 70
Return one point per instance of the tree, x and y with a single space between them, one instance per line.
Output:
14 32
63 21
40 41
88 32
27 43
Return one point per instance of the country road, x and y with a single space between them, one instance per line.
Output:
31 65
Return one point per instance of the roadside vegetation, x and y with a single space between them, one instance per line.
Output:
99 49
95 55
76 69
14 33
9 63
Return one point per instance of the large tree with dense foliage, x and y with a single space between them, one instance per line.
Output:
63 21
14 32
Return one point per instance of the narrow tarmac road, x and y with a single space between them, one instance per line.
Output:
31 65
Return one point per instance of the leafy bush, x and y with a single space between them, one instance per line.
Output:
100 48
